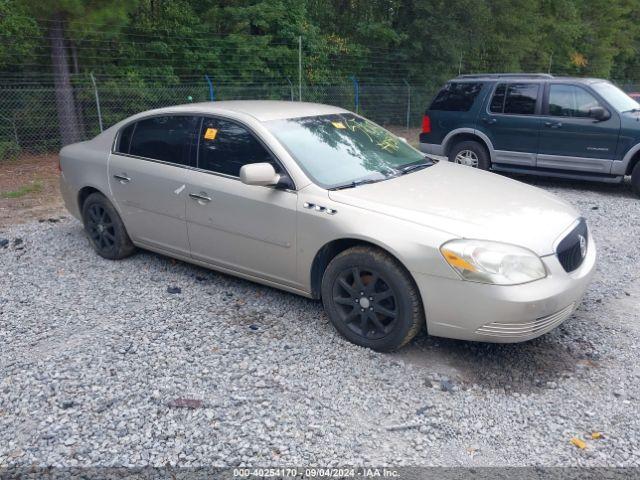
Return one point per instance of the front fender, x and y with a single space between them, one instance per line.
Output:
621 167
415 246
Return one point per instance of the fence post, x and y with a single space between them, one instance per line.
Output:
408 101
212 93
300 68
290 87
95 91
356 92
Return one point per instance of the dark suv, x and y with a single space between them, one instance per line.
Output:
580 128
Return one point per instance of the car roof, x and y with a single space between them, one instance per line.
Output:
525 76
262 110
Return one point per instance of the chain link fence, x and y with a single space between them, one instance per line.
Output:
30 122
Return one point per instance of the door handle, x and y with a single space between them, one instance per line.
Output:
122 178
489 121
200 197
553 124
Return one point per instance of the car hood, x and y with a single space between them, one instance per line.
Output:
468 203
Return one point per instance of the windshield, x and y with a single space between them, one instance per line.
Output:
342 149
615 97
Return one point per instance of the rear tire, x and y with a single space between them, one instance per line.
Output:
470 153
105 229
371 299
635 179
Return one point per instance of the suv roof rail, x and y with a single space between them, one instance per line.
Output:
503 75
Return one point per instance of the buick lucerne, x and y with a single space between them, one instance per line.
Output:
321 202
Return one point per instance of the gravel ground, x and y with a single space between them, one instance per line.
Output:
101 365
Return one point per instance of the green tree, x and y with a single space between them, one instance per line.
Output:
19 34
64 22
608 31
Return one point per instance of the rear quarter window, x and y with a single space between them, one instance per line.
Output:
124 139
456 97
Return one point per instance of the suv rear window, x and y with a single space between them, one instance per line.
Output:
456 97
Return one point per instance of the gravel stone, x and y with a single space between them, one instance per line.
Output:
128 360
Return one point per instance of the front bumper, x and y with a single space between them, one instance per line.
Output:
504 314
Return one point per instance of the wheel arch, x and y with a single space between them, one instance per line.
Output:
464 134
334 247
628 162
84 193
633 161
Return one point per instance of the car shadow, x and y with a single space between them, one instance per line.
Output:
520 367
513 367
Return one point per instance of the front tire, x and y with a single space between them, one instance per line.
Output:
635 179
471 154
105 229
371 299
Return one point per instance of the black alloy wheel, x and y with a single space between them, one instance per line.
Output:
104 227
100 228
371 298
365 302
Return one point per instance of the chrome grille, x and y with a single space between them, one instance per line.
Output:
569 250
515 330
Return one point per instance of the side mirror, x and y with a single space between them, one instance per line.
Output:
599 113
259 174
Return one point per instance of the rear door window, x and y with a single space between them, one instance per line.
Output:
515 98
170 138
225 147
456 97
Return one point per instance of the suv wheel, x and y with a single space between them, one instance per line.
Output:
371 299
635 179
105 229
471 154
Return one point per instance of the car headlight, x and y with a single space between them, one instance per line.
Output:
493 262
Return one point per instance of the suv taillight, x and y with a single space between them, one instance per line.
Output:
426 124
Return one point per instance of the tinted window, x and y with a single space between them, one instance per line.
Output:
521 98
170 138
456 97
125 139
497 102
226 146
570 101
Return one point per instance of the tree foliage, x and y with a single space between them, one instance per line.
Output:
255 41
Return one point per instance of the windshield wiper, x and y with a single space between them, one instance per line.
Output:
355 183
419 165
633 110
